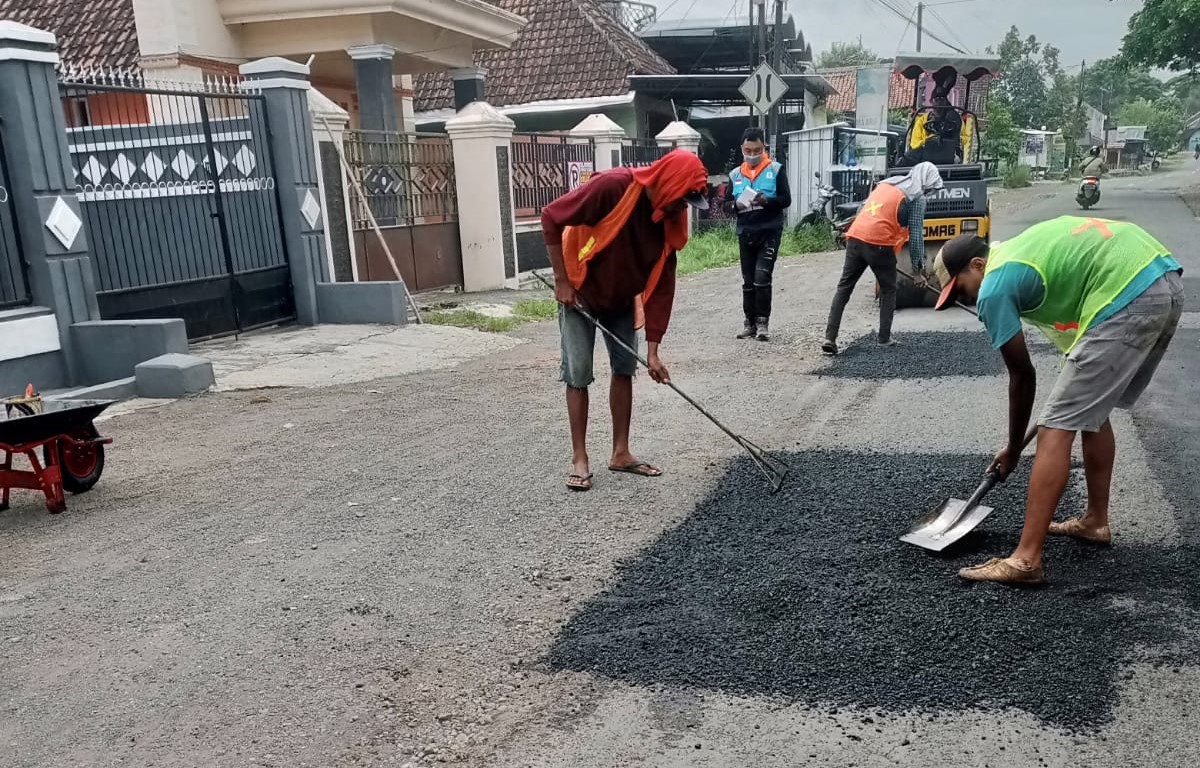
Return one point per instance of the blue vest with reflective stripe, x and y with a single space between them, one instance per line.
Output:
765 182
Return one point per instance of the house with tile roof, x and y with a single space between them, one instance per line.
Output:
363 55
574 58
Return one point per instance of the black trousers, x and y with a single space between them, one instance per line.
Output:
759 250
881 260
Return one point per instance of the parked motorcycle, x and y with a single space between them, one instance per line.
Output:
827 212
822 210
1089 192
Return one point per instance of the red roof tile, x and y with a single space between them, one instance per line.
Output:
570 49
845 80
91 33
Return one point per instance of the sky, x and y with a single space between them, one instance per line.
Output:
1083 29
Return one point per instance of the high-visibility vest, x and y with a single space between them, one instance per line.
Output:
762 179
1084 265
878 223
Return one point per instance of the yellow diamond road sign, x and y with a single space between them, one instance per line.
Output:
764 88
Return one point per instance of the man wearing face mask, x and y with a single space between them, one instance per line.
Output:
893 215
760 196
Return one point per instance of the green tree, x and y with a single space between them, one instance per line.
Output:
1003 138
1108 84
853 54
1165 34
1163 120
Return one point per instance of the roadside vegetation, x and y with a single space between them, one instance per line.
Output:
719 247
524 311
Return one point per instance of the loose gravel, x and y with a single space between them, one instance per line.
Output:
808 596
929 355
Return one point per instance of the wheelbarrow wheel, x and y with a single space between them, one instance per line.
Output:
81 465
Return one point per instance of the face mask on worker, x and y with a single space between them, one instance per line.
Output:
752 160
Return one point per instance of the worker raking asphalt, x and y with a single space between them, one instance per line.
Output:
805 596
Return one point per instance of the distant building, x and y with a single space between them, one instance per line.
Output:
1127 146
1191 133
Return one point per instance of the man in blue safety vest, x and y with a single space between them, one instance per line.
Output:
760 196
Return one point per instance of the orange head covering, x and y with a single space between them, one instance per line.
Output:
670 179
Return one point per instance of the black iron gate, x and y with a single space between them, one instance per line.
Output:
14 287
181 206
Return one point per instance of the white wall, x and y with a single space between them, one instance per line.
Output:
194 27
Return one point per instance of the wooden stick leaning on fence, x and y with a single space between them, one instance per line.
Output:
362 195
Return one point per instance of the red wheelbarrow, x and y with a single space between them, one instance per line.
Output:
72 451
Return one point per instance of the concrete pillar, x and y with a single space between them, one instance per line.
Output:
285 84
330 123
482 142
680 135
607 137
42 187
376 92
470 85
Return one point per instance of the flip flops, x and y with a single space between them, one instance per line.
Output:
580 483
639 468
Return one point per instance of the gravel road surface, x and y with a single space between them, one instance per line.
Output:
392 574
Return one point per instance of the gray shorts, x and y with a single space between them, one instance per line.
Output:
1113 363
579 345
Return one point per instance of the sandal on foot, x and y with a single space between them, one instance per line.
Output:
580 483
1004 570
830 348
639 468
1077 530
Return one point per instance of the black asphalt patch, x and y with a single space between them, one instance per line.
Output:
808 596
929 355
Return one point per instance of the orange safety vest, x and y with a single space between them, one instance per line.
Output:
878 223
582 243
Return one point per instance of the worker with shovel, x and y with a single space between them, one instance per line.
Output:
1109 296
612 245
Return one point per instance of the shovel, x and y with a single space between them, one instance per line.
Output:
956 518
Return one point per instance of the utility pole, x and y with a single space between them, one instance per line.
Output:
774 120
920 24
751 60
762 47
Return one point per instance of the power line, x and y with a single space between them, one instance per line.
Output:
946 25
889 5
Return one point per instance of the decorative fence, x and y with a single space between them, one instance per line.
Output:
408 186
406 178
179 200
546 166
637 153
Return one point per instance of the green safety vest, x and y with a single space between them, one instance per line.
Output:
1085 263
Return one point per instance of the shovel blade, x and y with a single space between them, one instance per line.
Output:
940 529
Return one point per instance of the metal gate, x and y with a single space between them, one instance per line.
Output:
178 194
14 286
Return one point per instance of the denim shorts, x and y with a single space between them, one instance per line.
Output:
1113 362
579 345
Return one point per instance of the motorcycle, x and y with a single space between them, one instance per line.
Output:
827 212
1089 192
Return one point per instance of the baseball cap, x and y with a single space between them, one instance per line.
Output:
697 200
953 259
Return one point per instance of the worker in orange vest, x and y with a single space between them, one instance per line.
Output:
892 216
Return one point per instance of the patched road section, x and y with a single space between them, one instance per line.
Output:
808 596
